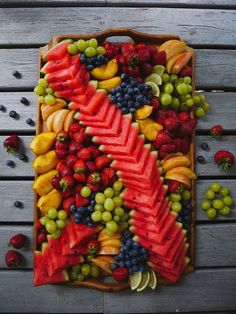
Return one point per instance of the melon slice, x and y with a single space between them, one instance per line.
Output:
94 102
74 83
111 115
55 65
58 51
83 234
139 186
61 75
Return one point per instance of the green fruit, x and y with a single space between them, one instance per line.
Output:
205 204
187 80
211 213
165 78
175 103
99 207
100 50
60 224
100 198
62 214
85 269
206 106
174 197
72 49
119 211
42 83
118 185
224 191
215 187
51 226
96 216
225 211
80 277
186 195
218 204
85 191
41 99
93 43
90 52
116 218
182 89
210 194
189 103
73 275
108 232
176 207
106 216
94 271
44 220
227 200
109 204
39 90
108 192
196 99
81 45
118 201
124 217
52 213
56 234
202 98
49 100
166 99
173 77
112 226
76 268
199 112
169 88
49 91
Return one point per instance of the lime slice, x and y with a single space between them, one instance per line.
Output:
155 88
144 282
155 78
153 279
135 280
158 69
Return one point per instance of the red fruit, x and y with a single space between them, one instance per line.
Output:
77 188
192 123
84 154
185 145
160 116
109 172
138 79
38 225
81 201
94 187
105 179
66 194
146 69
12 143
184 116
152 50
67 203
178 144
216 130
61 153
66 183
73 128
184 131
42 237
61 145
113 179
90 165
162 153
186 71
65 170
17 241
13 259
79 166
168 148
139 46
74 147
70 161
162 138
120 274
174 186
155 103
102 161
55 182
80 177
161 58
127 49
94 178
224 159
62 136
172 114
79 137
94 151
171 124
133 71
143 55
93 246
122 60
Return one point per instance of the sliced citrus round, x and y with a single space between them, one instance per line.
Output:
135 279
158 69
155 88
144 281
153 279
155 78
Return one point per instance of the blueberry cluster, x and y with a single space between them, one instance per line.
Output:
130 95
185 215
93 62
83 214
132 255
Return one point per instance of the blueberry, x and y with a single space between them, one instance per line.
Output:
13 114
149 96
24 101
123 76
22 157
135 252
101 58
120 99
135 268
2 108
143 268
117 258
113 266
148 102
205 146
132 110
129 242
81 210
88 219
146 256
201 159
127 234
143 250
84 220
113 99
139 98
180 219
122 264
118 89
128 264
83 58
124 110
118 95
119 105
122 249
18 204
16 74
130 91
77 221
90 67
90 209
78 216
30 121
73 209
141 87
10 163
91 224
136 245
92 203
134 261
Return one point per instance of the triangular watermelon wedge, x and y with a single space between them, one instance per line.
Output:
56 65
104 125
95 101
58 51
83 233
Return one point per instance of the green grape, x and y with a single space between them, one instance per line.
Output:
169 88
52 213
196 99
117 201
96 216
199 112
189 103
176 207
99 207
60 224
218 204
116 193
119 211
39 90
189 88
215 187
81 45
90 52
42 83
100 198
186 195
205 204
124 217
76 268
44 220
62 214
80 277
112 226
124 225
116 218
41 99
106 216
49 91
109 204
108 192
50 100
187 80
87 43
118 185
108 232
227 200
174 197
210 194
100 50
173 77
224 191
72 49
225 211
202 98
165 78
51 226
94 271
93 43
85 269
73 275
175 103
166 99
85 191
206 106
183 107
56 234
182 89
211 213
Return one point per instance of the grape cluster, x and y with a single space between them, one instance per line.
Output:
83 214
130 95
93 62
54 221
44 92
185 215
132 255
83 271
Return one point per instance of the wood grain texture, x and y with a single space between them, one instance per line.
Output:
180 3
52 2
198 27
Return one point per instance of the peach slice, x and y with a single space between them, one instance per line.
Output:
181 61
167 44
171 62
103 262
59 119
105 71
69 120
103 235
50 119
46 110
109 250
111 242
175 48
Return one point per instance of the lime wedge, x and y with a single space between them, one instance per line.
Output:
135 280
155 88
144 282
158 69
155 78
153 279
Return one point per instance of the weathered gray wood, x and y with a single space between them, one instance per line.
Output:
201 186
53 2
20 25
210 68
187 3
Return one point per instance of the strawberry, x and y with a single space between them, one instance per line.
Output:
42 237
77 188
94 178
66 194
109 172
61 145
161 58
224 159
169 148
12 143
90 165
17 241
61 153
66 183
122 60
13 259
80 177
186 71
70 161
93 246
127 49
171 124
178 143
73 128
185 145
113 179
185 131
67 203
152 50
94 187
162 138
120 274
160 116
94 151
102 161
105 179
38 225
192 123
84 154
174 186
184 116
146 69
81 201
79 166
216 131
79 137
62 136
171 114
155 103
55 182
162 153
143 55
64 170
74 147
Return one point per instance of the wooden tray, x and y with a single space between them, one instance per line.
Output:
135 37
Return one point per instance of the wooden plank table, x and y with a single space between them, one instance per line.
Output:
210 27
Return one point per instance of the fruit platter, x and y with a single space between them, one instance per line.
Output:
114 167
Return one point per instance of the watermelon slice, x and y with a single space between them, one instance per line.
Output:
94 102
62 75
71 84
141 186
58 51
56 65
83 234
101 124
